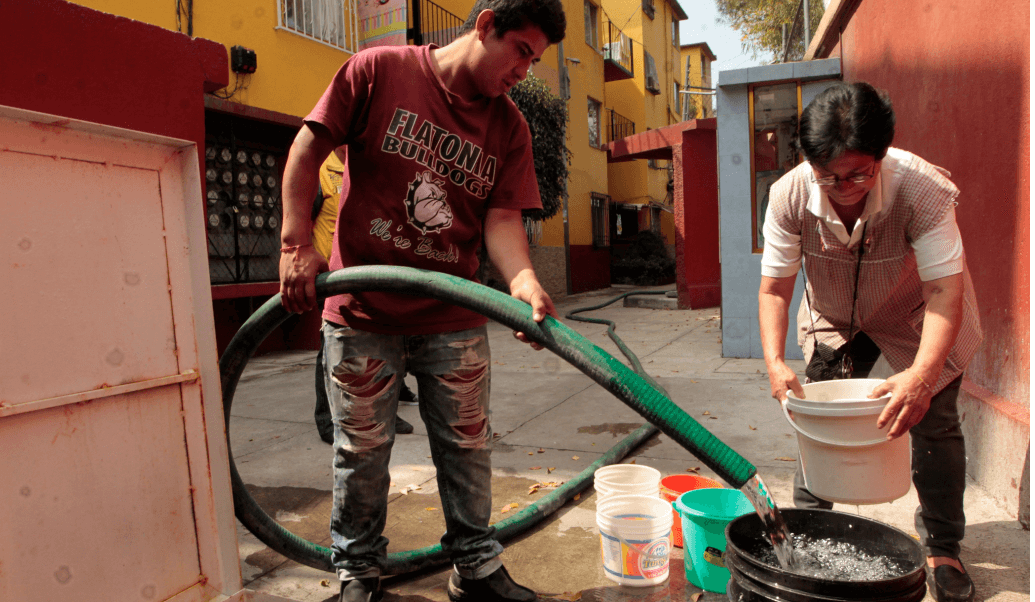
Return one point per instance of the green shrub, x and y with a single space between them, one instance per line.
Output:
547 117
645 263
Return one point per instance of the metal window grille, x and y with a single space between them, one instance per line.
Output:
601 205
330 22
243 205
438 26
620 127
655 220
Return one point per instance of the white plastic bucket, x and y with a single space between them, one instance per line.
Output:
634 538
844 456
626 479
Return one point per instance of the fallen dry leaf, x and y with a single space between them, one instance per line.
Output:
693 381
569 596
577 496
752 427
574 457
696 597
535 468
551 469
325 582
693 469
541 450
431 508
534 488
508 507
633 461
786 459
706 413
531 454
713 417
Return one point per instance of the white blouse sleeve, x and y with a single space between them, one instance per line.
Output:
781 255
939 252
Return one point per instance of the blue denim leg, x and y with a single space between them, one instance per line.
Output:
364 375
452 371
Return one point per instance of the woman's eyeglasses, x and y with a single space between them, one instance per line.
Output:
856 179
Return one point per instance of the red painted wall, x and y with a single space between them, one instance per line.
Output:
68 60
696 186
959 81
590 268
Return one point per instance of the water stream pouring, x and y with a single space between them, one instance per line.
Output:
625 384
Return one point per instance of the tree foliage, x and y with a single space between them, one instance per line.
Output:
547 117
759 23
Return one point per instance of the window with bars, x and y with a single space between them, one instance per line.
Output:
600 205
650 73
331 22
593 107
648 8
592 20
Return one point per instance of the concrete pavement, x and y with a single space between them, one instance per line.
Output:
551 416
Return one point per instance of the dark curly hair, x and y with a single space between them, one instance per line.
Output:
847 117
511 15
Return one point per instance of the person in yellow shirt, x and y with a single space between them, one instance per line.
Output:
325 217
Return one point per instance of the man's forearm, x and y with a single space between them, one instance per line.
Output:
507 244
301 181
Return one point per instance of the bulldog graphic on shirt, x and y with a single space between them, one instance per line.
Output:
426 205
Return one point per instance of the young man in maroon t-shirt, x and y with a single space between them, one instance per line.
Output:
438 159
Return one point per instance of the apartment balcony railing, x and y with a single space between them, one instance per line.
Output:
619 127
433 24
618 54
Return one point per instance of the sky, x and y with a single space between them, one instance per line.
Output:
701 26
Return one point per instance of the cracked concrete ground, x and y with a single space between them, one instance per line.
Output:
548 415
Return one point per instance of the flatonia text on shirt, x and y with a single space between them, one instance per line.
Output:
463 162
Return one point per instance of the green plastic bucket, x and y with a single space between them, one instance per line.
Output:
704 514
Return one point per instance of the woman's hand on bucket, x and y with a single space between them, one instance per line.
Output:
910 400
782 379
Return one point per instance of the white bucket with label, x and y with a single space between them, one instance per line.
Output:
626 479
635 533
844 456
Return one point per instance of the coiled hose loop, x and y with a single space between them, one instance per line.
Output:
605 370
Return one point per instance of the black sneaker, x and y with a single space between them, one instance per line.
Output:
497 587
402 427
407 397
949 585
361 590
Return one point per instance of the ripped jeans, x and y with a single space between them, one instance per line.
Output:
365 373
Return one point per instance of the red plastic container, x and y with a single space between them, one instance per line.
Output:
675 485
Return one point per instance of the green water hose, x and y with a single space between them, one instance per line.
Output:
644 397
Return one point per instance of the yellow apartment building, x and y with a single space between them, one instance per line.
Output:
696 60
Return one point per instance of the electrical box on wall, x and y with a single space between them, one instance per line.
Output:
242 60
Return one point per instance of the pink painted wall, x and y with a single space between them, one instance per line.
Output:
958 78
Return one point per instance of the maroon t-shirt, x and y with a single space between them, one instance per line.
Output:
424 166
